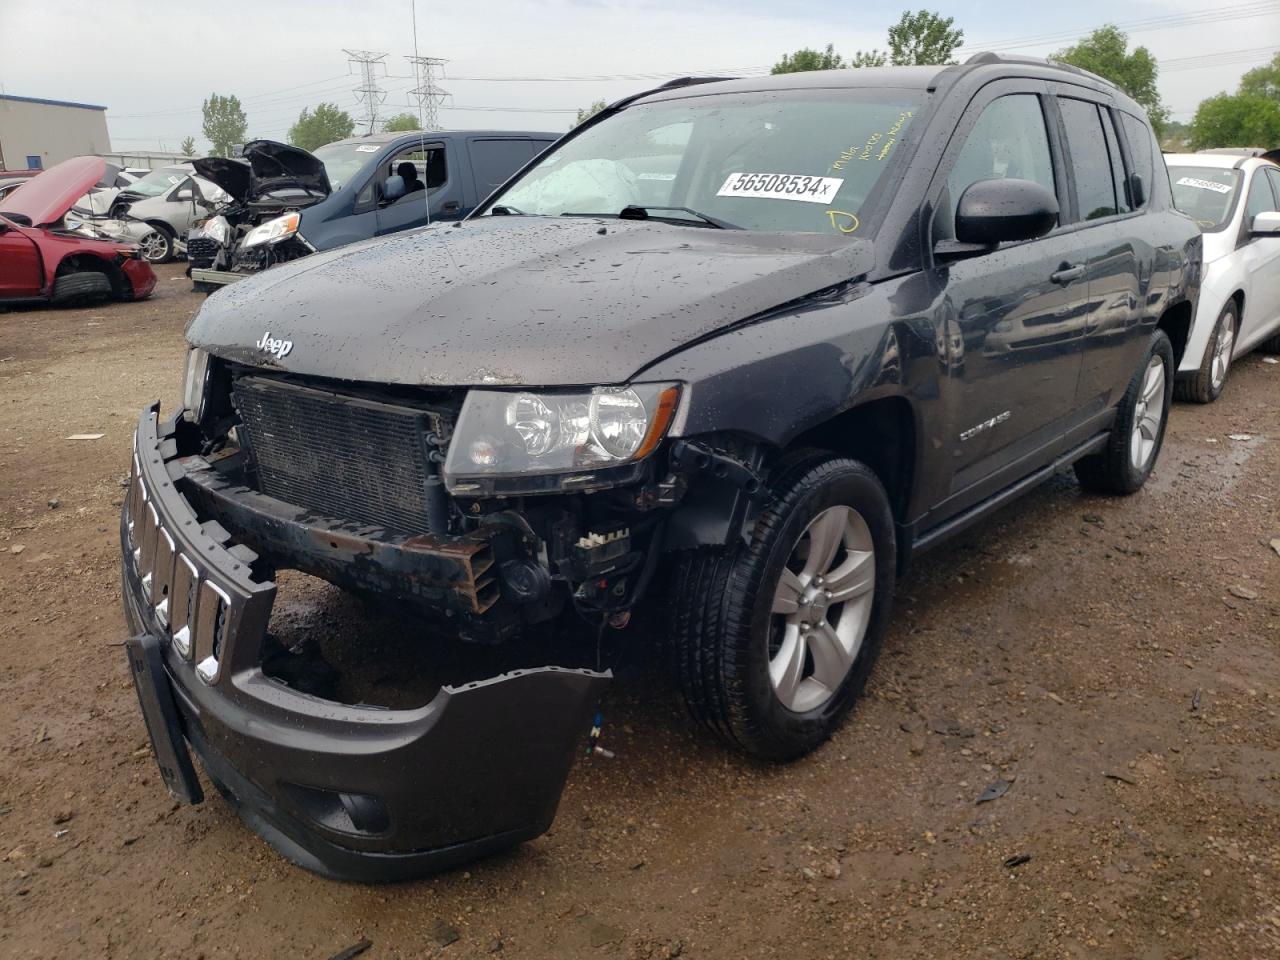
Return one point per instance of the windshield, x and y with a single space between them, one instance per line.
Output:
802 161
1206 194
159 181
342 161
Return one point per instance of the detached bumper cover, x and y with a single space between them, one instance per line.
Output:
353 792
220 277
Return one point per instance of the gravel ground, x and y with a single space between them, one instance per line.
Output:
1116 662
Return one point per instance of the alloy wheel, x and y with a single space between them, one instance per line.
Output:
1222 347
1148 415
154 247
821 609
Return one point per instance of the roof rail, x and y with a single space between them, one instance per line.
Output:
987 56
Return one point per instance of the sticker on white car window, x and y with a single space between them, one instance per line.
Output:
655 176
367 148
173 179
781 186
1204 184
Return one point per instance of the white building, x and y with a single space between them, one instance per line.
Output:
36 133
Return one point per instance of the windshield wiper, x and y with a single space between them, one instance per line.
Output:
640 211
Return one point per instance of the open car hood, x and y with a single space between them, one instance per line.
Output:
266 165
45 198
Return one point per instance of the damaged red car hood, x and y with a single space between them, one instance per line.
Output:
45 198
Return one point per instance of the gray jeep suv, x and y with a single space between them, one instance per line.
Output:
756 342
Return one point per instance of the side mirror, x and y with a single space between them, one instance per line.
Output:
183 194
1004 211
1266 224
392 188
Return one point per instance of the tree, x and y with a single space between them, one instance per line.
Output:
1105 52
188 147
1263 81
805 59
586 113
923 39
323 125
1236 120
868 58
224 123
402 122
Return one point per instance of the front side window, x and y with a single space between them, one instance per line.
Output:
1260 199
1009 140
1206 194
1090 160
805 161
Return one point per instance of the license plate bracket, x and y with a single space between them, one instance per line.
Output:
151 683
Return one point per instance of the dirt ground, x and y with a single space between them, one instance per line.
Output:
1117 660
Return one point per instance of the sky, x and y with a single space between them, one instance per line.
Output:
522 65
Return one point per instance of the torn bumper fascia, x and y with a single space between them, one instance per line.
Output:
352 792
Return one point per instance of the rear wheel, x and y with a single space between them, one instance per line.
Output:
774 639
1206 386
1124 464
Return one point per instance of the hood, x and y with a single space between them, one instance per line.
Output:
266 165
516 300
45 198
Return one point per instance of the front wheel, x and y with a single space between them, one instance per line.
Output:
1124 464
1206 386
774 639
156 247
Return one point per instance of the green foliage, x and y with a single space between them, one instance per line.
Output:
402 123
586 113
1263 81
188 147
1176 137
1105 52
224 123
923 39
805 59
868 58
323 125
1236 120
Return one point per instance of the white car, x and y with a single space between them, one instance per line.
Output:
1235 200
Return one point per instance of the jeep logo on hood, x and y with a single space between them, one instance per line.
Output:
277 348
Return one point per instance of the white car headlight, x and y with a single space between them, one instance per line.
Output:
273 231
193 383
218 229
506 434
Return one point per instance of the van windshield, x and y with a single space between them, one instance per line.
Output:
342 161
159 181
802 161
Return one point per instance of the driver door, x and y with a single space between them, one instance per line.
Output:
442 192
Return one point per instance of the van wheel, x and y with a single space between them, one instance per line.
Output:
1206 386
158 251
773 639
1138 432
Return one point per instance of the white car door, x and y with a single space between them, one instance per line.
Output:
1261 257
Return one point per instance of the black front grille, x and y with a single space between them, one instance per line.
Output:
202 250
344 457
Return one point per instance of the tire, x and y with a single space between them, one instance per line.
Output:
1271 344
1206 386
725 631
167 233
73 288
1114 470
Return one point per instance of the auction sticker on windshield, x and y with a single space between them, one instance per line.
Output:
781 186
1205 184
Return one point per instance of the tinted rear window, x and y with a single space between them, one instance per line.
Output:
1090 159
1141 151
493 161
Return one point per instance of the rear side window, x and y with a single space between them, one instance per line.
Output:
1009 140
494 161
1139 136
1089 159
1123 202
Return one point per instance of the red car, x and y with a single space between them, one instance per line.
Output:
43 261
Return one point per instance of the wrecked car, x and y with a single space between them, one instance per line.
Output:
289 203
48 255
724 340
172 200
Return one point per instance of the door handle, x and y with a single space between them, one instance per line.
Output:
451 206
1068 274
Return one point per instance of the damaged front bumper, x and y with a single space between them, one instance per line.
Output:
350 791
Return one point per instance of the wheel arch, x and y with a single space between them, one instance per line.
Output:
1176 322
81 262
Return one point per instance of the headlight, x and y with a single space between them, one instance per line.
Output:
217 228
503 434
273 231
194 382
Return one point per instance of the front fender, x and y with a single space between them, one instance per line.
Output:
1222 278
